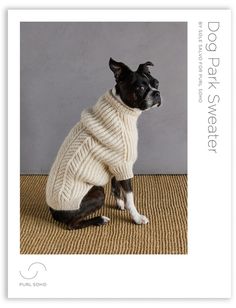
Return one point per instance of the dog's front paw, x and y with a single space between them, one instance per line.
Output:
141 220
120 205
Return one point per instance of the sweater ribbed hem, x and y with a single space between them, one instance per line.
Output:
118 105
123 171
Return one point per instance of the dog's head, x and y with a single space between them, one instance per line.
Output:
137 89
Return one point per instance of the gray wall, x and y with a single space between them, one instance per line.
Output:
64 69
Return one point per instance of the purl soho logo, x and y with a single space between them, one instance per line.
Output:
33 271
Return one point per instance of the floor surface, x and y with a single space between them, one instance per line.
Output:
162 198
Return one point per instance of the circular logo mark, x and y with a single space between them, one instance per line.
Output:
33 270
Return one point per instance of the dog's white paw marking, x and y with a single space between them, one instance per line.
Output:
120 204
141 220
105 219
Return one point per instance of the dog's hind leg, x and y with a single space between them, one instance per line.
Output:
91 202
95 221
117 192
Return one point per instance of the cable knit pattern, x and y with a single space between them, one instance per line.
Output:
101 145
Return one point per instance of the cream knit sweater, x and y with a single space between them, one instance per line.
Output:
101 145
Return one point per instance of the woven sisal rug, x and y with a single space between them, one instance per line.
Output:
162 198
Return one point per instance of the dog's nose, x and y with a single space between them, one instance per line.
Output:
159 99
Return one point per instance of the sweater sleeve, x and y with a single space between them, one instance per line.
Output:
122 171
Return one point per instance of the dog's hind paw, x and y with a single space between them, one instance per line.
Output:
105 219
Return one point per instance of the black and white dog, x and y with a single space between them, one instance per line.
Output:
136 89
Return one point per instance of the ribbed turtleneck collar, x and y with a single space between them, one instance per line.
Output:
119 105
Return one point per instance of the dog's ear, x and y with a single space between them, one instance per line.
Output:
143 68
119 69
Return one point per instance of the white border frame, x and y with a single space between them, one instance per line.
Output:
205 271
